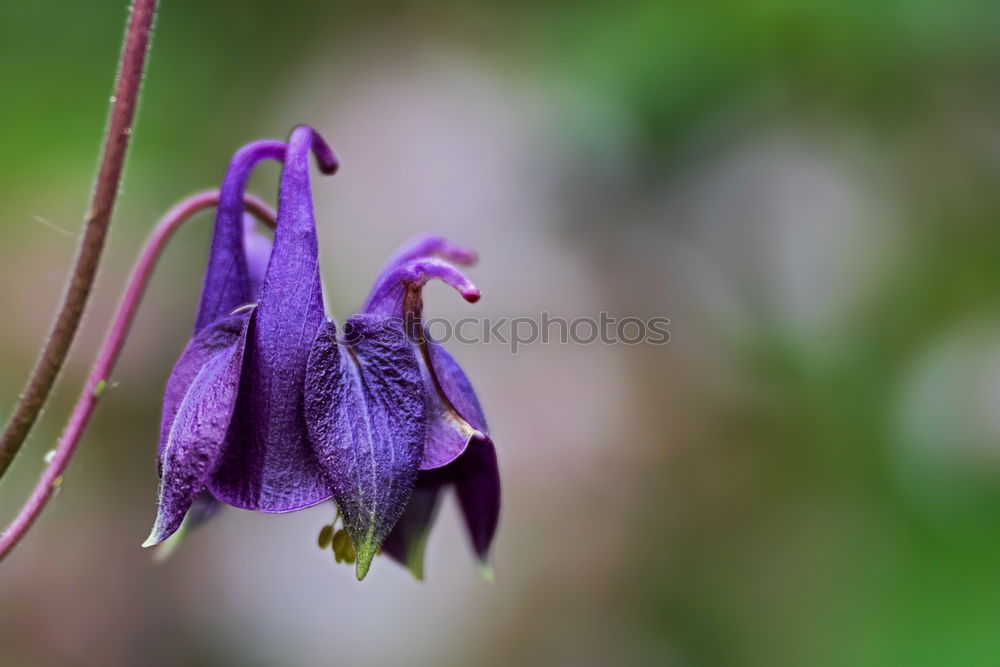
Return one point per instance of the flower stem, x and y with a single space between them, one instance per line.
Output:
51 477
81 280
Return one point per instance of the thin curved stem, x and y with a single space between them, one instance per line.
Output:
97 381
81 279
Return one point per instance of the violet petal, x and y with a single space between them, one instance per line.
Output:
267 463
227 283
456 386
196 434
477 481
457 417
203 346
365 409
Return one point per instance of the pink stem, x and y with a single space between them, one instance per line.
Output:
111 349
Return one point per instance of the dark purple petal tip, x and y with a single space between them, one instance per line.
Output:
326 160
477 481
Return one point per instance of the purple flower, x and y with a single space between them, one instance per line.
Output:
269 409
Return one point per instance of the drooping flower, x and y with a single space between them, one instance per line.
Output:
213 391
269 409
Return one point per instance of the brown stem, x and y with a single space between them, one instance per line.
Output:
88 256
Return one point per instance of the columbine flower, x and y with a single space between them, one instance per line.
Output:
268 409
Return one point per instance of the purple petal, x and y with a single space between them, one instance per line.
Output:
397 293
257 248
267 463
204 346
477 481
456 417
426 246
365 407
447 434
456 386
408 540
196 435
227 279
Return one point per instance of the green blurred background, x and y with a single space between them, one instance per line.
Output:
808 474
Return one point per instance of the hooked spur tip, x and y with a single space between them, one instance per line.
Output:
326 159
330 166
471 294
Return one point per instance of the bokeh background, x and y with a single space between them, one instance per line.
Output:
807 474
